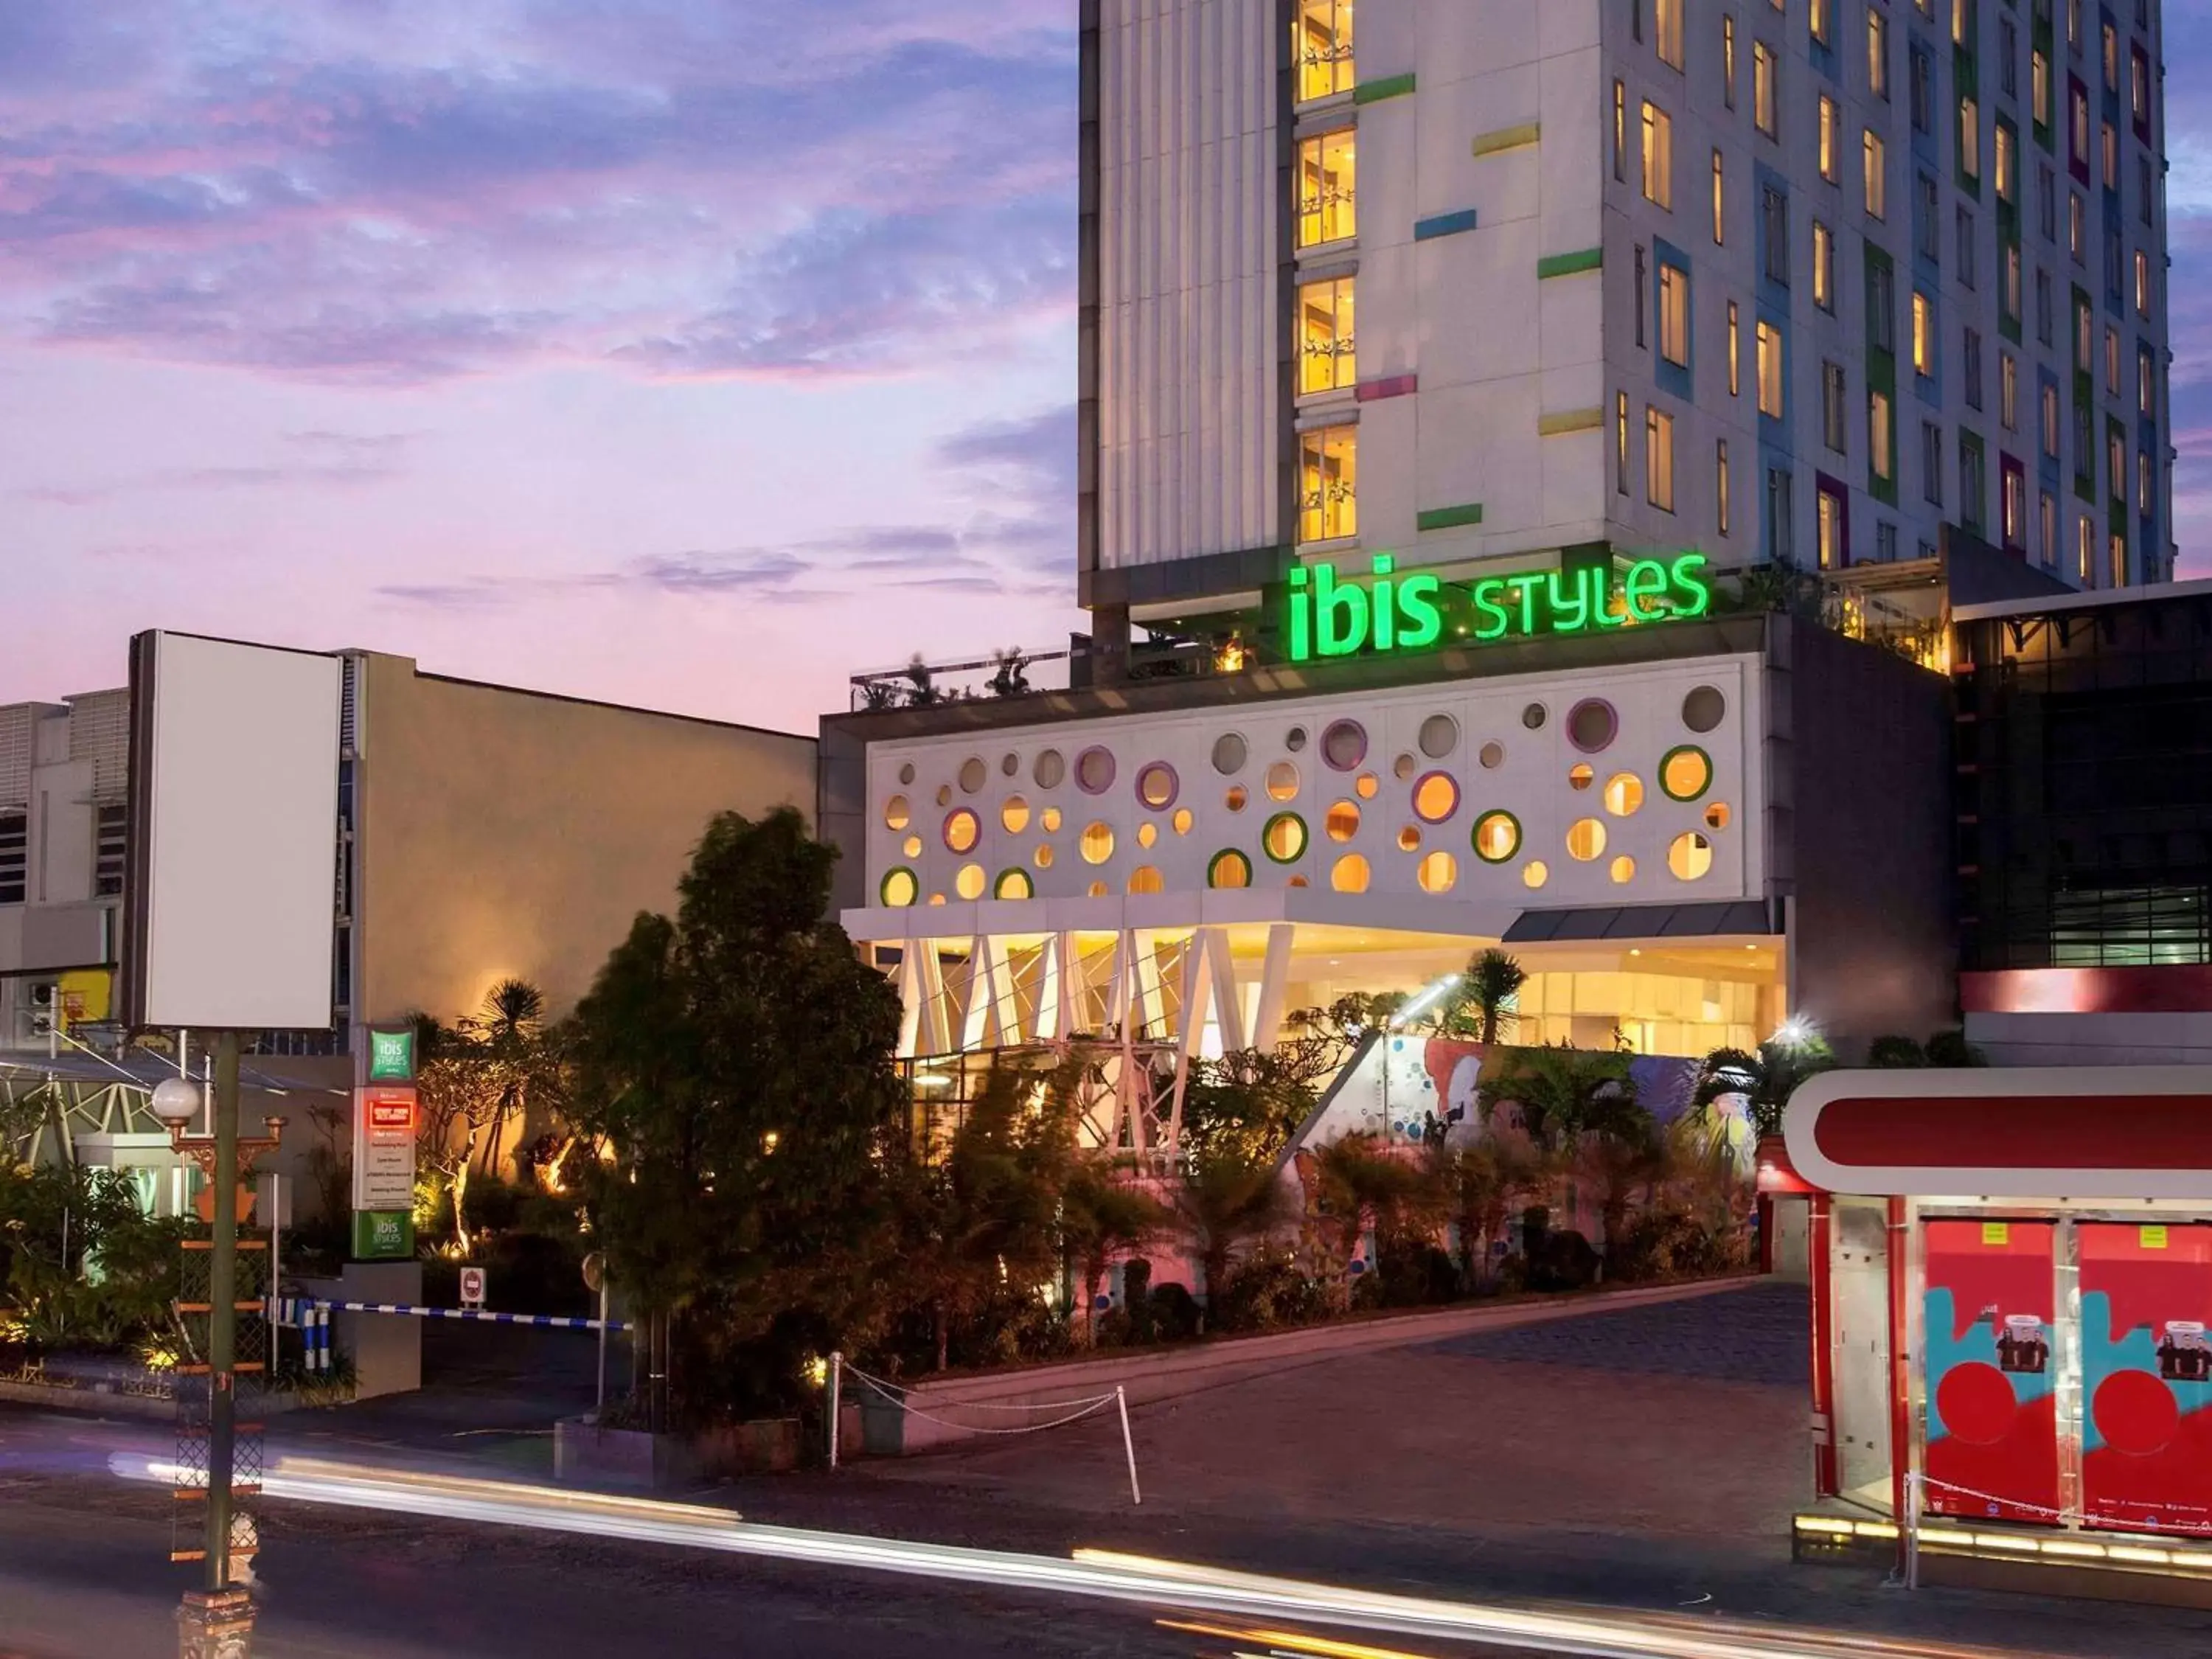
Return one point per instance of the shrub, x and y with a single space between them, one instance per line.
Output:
1562 1262
1267 1292
1174 1313
1412 1273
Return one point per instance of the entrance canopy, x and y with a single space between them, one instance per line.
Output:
2142 1133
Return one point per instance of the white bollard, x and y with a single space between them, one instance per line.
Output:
1129 1446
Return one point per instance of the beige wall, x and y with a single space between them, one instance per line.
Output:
505 833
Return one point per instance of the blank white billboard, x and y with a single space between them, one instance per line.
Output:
233 834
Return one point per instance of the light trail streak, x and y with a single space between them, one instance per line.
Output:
1097 1574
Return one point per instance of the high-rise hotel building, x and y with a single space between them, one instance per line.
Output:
1484 284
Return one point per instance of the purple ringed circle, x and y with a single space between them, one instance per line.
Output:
1339 732
1420 787
1098 755
1583 709
1150 770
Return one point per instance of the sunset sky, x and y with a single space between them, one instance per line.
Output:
685 353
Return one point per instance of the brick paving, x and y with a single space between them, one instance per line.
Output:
1762 1334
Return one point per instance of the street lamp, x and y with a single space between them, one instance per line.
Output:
217 1620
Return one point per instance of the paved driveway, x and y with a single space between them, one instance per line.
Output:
1762 1334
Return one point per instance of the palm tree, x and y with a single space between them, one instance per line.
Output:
1479 1186
1564 1093
1225 1200
1102 1218
1480 1004
1766 1079
1359 1180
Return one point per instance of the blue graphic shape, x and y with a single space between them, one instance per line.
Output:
2137 1350
1947 1352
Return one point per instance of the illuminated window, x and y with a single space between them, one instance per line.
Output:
962 831
1674 315
968 884
1763 98
1877 52
1717 815
1734 351
1828 530
1328 483
1327 188
1097 844
1620 130
1720 199
1830 131
2039 86
1582 776
1624 794
1439 873
1015 815
1728 61
1769 371
1235 799
1690 856
1824 266
896 813
1182 820
1436 798
1148 834
912 846
1496 837
2008 391
1667 26
1229 869
1623 870
1326 350
1877 176
1721 484
1014 885
1145 880
1048 820
899 890
2008 165
1282 780
1283 840
1409 840
1367 786
1585 840
1321 48
1156 786
1659 459
1342 821
1043 858
1350 874
1686 773
1879 432
1822 20
1098 889
1923 334
1658 155
1535 873
1969 138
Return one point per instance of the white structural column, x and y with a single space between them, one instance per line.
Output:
1274 986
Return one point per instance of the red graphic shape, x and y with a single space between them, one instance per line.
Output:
2136 1413
1977 1403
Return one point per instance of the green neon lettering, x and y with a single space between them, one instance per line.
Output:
1526 586
1492 618
1647 582
1420 622
1300 619
1690 581
1602 593
1339 614
1383 608
1570 608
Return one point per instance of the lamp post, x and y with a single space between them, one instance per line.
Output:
217 1622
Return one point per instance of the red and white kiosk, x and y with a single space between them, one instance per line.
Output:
2012 1288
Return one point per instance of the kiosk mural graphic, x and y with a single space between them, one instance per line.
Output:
1992 1410
2147 1375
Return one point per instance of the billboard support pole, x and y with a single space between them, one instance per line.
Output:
223 1316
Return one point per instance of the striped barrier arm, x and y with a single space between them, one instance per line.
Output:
546 1322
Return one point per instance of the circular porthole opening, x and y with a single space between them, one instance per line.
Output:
1704 709
1229 869
1534 716
1344 745
1282 782
1157 786
897 814
1624 794
1350 874
1229 753
1497 837
963 830
1094 771
1686 773
1049 769
1436 798
973 775
1493 756
1439 736
1014 815
1439 872
1592 725
1690 856
899 890
1535 874
1342 823
1097 844
1283 840
968 884
1585 840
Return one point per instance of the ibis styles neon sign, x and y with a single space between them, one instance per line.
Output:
1330 617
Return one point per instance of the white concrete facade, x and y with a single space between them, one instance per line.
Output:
1508 382
63 778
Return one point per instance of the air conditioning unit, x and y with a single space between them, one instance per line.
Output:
45 1007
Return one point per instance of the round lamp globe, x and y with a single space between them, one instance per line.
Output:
176 1099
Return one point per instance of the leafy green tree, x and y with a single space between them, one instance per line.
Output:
476 1076
81 1264
1566 1093
1765 1078
1895 1054
735 1063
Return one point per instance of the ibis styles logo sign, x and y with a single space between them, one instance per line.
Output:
1331 616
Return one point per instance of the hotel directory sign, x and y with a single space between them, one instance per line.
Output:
385 1112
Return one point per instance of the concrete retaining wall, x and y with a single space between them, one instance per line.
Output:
1167 1373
